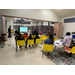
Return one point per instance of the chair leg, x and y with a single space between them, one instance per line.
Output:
24 48
42 54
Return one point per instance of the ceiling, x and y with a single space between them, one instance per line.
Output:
64 12
60 12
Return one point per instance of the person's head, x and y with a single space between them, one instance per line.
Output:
26 34
34 29
30 35
52 38
44 32
48 33
68 33
20 35
9 26
54 34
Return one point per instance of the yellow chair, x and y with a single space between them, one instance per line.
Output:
43 37
47 48
25 38
20 43
38 41
30 42
47 37
11 31
33 36
55 38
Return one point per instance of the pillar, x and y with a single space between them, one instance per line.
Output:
2 25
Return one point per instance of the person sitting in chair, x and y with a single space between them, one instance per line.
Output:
37 37
26 35
50 40
28 39
44 33
20 38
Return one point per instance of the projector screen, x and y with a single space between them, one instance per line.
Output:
23 29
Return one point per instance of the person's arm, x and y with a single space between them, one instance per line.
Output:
45 41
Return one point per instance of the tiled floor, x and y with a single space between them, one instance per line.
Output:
8 56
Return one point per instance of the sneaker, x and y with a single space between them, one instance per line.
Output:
19 49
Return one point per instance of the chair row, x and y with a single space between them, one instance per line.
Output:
29 42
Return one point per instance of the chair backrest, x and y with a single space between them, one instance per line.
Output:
47 37
20 42
43 37
38 41
25 38
48 48
11 31
33 36
30 42
55 38
73 50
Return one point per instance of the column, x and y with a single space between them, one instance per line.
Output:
2 25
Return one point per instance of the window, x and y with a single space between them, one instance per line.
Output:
69 20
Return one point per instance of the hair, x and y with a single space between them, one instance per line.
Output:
68 33
52 38
20 35
9 26
26 33
30 35
44 32
54 33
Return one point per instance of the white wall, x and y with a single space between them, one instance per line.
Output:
42 14
67 27
10 23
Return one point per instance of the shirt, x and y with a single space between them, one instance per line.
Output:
25 36
48 41
67 41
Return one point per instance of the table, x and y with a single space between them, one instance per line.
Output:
58 43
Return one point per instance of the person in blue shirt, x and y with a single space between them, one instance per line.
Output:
50 40
44 33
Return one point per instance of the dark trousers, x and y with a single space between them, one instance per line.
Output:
26 44
9 34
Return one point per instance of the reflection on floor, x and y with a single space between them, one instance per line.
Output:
8 56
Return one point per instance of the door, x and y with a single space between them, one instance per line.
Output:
58 29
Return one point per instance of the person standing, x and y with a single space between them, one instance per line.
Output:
34 32
9 31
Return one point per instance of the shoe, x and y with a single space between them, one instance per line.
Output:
70 54
19 49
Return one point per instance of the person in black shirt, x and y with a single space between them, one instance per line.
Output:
9 31
34 32
37 37
27 40
20 38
